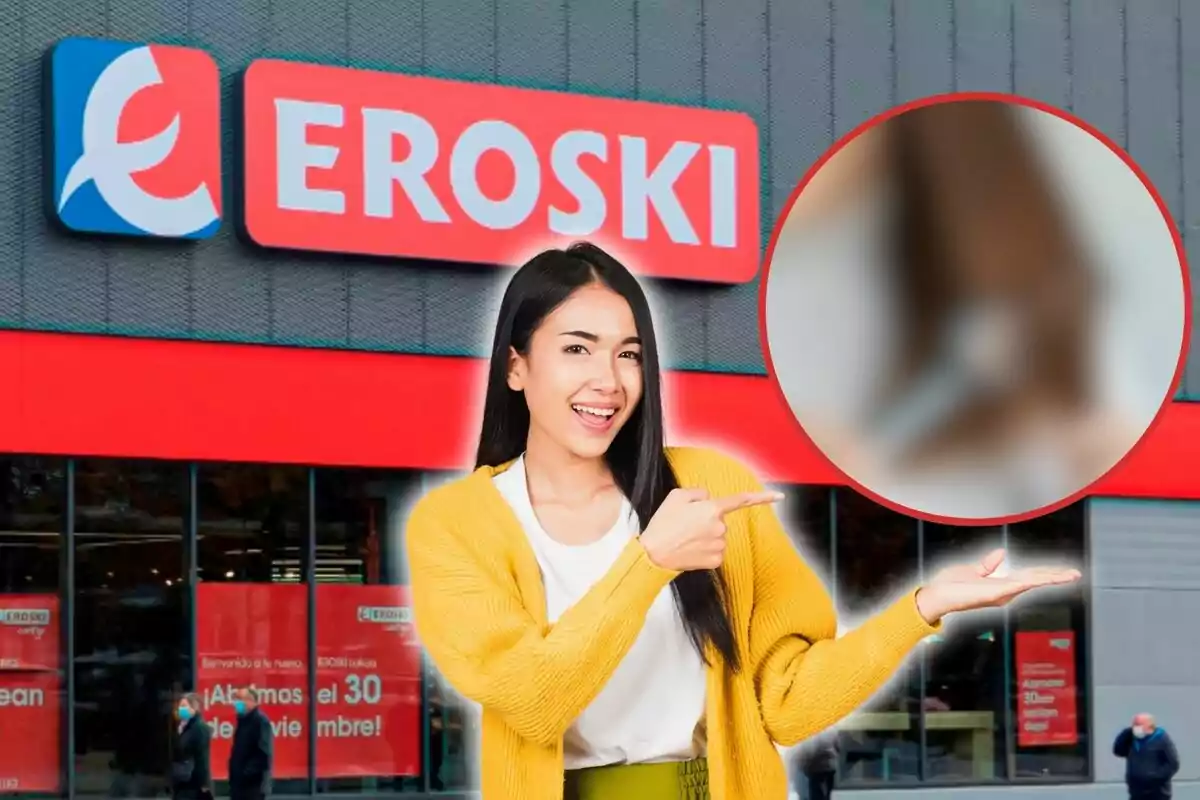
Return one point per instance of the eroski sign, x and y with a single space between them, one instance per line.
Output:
353 161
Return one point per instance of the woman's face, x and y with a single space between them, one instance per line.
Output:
582 376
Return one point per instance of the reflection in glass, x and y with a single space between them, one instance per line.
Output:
359 532
1048 643
805 514
877 558
963 704
131 647
252 608
32 518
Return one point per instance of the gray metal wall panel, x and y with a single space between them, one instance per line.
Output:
924 49
1098 67
385 34
804 70
231 292
1189 86
1041 51
64 278
13 161
670 66
983 45
531 42
670 51
1145 578
460 38
1152 67
1147 545
736 76
386 305
601 43
863 77
460 41
383 310
148 286
454 298
800 124
308 294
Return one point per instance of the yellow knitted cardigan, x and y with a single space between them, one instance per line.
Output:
480 612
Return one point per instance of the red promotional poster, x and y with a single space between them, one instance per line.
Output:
368 682
1046 688
29 632
254 634
354 161
29 703
29 692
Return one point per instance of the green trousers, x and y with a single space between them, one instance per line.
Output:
686 780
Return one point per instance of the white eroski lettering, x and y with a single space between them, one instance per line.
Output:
22 698
464 160
24 616
641 188
722 195
294 156
380 126
564 161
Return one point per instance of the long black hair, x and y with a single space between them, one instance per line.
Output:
636 457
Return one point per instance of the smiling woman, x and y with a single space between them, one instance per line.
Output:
633 618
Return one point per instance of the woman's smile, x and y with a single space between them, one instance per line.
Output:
596 417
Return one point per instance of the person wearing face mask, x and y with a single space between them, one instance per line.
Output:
1151 759
251 756
190 774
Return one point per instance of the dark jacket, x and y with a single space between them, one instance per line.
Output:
190 773
1150 763
820 754
251 756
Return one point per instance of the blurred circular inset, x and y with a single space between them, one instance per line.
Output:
975 308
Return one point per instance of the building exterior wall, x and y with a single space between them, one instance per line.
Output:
1145 599
1145 591
808 72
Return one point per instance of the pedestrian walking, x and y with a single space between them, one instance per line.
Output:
191 777
819 763
251 756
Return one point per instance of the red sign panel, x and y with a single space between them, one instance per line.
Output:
29 692
1046 688
254 634
368 682
353 161
368 674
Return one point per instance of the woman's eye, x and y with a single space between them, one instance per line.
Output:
636 356
575 349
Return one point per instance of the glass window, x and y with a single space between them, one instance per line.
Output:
369 695
876 552
132 653
806 516
252 608
1048 646
32 519
964 703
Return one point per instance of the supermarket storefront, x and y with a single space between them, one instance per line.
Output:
212 434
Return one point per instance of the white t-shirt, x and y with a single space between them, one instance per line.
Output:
653 707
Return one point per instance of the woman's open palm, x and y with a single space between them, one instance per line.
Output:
964 587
